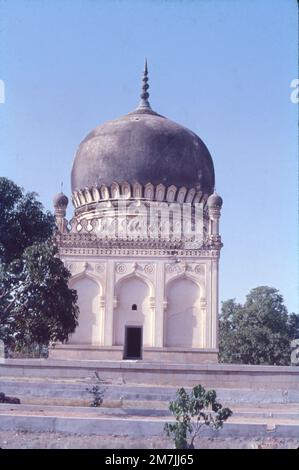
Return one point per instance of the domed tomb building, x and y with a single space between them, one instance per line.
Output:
143 245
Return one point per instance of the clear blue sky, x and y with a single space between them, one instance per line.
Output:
221 68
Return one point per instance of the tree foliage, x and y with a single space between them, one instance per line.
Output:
192 411
23 221
258 332
36 305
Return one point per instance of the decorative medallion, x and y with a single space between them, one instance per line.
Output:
100 268
121 268
176 268
198 269
149 268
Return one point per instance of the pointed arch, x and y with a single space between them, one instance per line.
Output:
85 274
139 276
90 320
183 314
133 290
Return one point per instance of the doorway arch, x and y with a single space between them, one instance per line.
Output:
132 291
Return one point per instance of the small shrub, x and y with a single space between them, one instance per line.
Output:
192 411
97 392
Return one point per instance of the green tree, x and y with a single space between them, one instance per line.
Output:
23 221
228 331
293 325
36 305
192 411
258 332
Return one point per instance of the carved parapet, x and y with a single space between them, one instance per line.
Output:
72 241
130 230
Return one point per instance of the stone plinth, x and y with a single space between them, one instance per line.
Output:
224 376
115 353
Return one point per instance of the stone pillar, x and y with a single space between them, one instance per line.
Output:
209 297
159 310
110 304
214 205
102 320
214 305
203 323
214 214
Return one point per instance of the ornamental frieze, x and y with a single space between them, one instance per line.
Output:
91 241
79 251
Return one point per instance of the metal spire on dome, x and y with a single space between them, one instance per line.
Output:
144 103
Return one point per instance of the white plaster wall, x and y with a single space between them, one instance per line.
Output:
182 314
132 291
157 306
89 329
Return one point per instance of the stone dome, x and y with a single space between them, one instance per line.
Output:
215 200
143 147
60 200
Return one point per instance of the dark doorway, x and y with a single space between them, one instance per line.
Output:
133 342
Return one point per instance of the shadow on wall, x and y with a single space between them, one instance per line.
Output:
88 330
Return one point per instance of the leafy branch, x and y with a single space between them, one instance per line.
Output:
192 411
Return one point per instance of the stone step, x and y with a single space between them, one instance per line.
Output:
66 390
266 408
268 413
212 376
138 426
44 410
76 390
56 401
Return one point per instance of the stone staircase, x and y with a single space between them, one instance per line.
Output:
62 405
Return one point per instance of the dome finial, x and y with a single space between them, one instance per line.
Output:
144 103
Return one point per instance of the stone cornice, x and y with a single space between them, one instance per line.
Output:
90 240
144 252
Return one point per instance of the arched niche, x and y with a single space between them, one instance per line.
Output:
133 309
182 316
88 330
